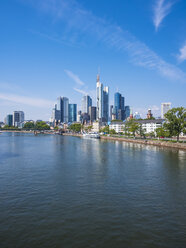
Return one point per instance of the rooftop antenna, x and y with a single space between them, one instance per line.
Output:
98 75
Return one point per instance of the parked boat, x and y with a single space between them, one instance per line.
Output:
91 135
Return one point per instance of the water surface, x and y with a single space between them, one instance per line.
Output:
70 192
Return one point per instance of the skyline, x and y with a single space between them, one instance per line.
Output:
140 50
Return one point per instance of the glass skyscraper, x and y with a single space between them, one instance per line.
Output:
62 106
72 112
119 106
9 120
102 101
86 103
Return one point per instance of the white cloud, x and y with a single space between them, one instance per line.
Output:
182 54
113 36
34 102
74 77
161 10
81 91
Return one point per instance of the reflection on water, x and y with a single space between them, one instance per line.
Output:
71 192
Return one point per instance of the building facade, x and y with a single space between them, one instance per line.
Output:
86 103
102 101
118 127
92 113
165 107
119 106
72 112
151 125
18 118
9 120
127 112
62 106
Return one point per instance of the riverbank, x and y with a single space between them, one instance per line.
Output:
148 142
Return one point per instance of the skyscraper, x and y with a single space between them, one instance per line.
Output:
92 113
119 106
127 112
9 120
18 118
102 101
72 112
62 106
165 107
86 103
106 104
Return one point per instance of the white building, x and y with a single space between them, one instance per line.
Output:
151 125
96 125
117 126
165 107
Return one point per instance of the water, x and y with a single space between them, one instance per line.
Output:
68 192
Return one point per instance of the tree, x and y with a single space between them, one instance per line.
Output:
29 125
41 125
112 131
105 130
133 127
76 127
162 132
176 121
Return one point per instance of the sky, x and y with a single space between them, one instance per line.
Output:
51 48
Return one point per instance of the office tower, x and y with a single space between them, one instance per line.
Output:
92 113
9 120
79 117
119 106
106 104
86 103
127 112
111 112
72 112
62 106
102 100
149 114
165 107
18 118
56 115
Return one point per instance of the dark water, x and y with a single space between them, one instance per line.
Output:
68 192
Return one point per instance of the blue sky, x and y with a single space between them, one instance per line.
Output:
51 48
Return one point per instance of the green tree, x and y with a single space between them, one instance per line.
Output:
76 127
29 125
112 131
162 132
176 121
41 125
133 127
105 130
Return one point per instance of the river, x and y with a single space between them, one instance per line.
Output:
66 192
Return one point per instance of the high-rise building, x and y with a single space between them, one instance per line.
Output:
106 104
86 103
111 111
149 114
56 115
18 118
9 120
165 107
92 113
119 106
62 106
102 100
127 112
72 112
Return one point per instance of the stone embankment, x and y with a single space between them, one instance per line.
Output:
148 142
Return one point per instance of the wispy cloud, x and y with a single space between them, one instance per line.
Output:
182 55
161 10
74 77
34 102
81 91
83 21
